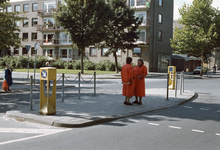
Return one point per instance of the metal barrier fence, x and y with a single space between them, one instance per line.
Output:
63 77
176 84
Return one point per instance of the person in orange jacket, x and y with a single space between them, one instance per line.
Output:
140 71
127 72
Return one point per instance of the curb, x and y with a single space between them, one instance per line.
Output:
90 122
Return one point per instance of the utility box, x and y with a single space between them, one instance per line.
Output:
48 90
172 76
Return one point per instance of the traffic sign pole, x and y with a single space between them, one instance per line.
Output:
28 48
36 46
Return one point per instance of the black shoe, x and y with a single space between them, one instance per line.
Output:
125 103
129 104
135 102
139 103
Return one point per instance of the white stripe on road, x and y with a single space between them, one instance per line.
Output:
154 124
204 109
33 137
188 107
218 111
174 127
200 131
26 130
218 134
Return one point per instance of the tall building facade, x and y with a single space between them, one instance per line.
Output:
153 45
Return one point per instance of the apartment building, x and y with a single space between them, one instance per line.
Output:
153 45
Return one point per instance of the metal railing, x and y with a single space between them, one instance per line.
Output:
143 40
48 27
145 22
55 42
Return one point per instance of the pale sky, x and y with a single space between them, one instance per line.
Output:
179 3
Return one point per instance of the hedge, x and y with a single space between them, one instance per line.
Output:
22 61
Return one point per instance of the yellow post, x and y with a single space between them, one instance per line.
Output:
172 76
47 103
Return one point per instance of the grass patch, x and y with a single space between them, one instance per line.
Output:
69 71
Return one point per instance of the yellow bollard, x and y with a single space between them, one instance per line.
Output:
47 102
172 76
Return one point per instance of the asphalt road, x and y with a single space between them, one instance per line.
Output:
191 126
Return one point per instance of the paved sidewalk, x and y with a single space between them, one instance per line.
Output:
89 110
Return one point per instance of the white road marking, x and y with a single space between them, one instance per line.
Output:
154 124
33 137
218 134
218 111
204 109
174 127
133 120
200 131
26 130
188 107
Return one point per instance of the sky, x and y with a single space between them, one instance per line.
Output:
179 3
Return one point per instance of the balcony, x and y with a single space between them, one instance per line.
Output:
140 4
61 56
44 13
145 23
49 27
55 42
143 40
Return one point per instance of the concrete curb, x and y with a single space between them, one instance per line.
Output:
92 121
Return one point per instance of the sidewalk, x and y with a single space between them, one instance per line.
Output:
89 110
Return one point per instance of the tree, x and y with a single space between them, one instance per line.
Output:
121 30
199 36
8 36
84 20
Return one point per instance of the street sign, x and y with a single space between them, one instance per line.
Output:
27 47
44 74
36 46
187 59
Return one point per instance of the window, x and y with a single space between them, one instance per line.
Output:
118 53
140 3
161 3
64 38
142 36
48 38
32 51
104 50
48 23
17 23
63 53
44 52
48 7
160 18
160 35
137 51
26 8
34 21
34 7
25 36
93 51
24 51
8 9
25 23
50 52
142 14
16 51
34 36
17 8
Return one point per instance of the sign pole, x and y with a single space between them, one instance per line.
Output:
36 46
28 48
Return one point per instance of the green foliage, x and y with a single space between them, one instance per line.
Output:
101 66
76 65
200 34
8 28
121 29
89 65
68 65
41 61
59 64
84 20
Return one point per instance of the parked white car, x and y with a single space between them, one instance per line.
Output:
198 69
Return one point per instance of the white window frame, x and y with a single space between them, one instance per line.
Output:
69 53
46 52
19 8
145 36
47 37
47 3
144 22
104 50
135 4
95 51
8 7
65 40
